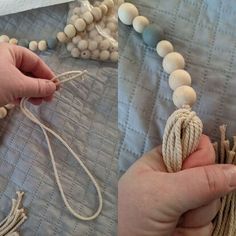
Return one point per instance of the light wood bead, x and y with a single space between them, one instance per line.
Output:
101 24
42 45
33 46
90 27
173 61
61 36
104 9
95 54
85 54
76 39
80 24
3 112
109 3
112 26
88 17
4 39
164 47
107 31
70 46
98 39
13 41
75 52
93 33
70 31
84 8
92 45
114 56
76 10
179 78
73 19
139 23
127 12
104 44
97 13
9 106
112 19
113 47
184 95
104 55
83 45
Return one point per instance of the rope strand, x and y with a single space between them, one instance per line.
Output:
45 129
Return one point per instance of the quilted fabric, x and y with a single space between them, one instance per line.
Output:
204 33
84 113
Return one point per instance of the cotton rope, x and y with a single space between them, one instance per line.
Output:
17 216
181 137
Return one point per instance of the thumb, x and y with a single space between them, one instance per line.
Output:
199 186
37 88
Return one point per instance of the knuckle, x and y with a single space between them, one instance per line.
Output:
212 179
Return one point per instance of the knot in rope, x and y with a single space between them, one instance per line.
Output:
181 137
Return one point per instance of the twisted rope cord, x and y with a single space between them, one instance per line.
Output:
181 137
68 76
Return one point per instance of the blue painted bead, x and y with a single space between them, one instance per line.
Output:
23 43
152 34
52 43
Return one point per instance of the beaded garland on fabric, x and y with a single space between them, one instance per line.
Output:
91 33
183 128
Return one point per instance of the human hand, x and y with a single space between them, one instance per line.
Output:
153 202
23 74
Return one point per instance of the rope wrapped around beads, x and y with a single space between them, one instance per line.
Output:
181 137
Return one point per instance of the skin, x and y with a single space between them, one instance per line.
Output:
153 202
24 74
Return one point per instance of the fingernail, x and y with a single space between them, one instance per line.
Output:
231 174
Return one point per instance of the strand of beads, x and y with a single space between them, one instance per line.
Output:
173 62
92 32
4 110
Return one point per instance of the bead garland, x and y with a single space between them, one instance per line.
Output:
173 62
90 24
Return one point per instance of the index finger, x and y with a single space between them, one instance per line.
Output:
28 62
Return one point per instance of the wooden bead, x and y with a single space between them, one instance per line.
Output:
98 39
76 39
88 17
184 95
33 46
84 8
114 56
92 45
152 34
42 45
52 43
173 61
127 12
83 45
164 47
3 112
179 78
85 54
95 54
113 47
97 13
4 39
70 31
90 27
73 19
139 23
9 106
107 31
104 55
61 36
104 44
112 26
109 3
93 33
104 9
70 46
80 24
13 41
75 52
76 10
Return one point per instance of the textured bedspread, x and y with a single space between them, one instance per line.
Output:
84 113
205 33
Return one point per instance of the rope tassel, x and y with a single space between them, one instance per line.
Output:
181 137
